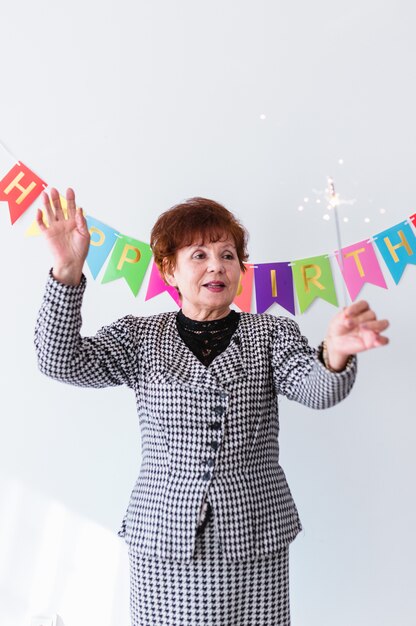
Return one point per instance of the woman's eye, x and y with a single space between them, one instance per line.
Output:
228 256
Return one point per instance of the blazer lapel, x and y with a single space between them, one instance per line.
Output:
229 365
185 367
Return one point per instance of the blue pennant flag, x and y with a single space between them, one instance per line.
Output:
103 238
397 245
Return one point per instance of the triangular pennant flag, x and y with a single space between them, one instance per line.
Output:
20 188
157 286
397 245
274 283
102 240
313 279
359 265
129 260
245 289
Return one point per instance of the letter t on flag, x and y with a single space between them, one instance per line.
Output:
20 188
358 266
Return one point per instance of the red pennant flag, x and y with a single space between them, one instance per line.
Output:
20 188
413 219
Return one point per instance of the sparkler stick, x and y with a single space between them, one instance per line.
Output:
333 203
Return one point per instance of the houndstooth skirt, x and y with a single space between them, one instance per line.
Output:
210 590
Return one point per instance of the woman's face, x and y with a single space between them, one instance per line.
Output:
207 276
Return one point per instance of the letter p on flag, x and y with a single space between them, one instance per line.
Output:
20 188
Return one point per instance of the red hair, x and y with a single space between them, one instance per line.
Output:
197 220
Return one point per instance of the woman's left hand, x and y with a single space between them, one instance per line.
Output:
354 329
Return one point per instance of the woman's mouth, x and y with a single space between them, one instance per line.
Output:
215 286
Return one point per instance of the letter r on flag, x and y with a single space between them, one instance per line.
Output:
20 188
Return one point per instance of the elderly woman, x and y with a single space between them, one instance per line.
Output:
211 516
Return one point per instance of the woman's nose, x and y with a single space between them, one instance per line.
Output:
216 265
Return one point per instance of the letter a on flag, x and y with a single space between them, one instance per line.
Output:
20 188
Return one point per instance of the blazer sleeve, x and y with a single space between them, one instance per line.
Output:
107 359
299 372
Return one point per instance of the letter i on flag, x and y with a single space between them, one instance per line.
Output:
358 266
274 283
20 188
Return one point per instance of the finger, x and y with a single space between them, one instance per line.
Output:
356 308
372 339
368 316
40 222
382 341
56 201
369 338
377 326
49 211
81 222
342 323
70 202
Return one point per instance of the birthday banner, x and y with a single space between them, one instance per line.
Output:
308 278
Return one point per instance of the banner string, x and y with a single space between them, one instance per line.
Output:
267 290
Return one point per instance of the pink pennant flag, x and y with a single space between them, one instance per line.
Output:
359 266
157 286
245 290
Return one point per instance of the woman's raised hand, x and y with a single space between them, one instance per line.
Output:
354 329
68 239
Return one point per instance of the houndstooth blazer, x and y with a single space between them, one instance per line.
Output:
207 432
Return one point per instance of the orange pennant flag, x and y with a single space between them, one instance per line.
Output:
245 290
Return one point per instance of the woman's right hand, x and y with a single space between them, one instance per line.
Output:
68 239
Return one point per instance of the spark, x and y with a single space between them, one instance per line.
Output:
333 199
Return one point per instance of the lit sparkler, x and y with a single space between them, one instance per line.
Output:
334 200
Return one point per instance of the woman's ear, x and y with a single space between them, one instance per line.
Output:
170 279
168 274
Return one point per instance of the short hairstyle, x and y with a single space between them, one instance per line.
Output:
195 220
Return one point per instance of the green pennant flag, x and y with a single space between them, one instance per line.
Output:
130 259
313 279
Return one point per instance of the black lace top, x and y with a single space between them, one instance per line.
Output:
207 339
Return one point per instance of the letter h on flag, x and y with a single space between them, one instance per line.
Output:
20 188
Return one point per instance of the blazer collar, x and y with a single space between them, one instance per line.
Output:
185 367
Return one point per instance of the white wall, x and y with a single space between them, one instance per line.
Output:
138 105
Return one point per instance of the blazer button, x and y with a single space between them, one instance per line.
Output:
219 410
214 445
215 425
210 462
206 476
